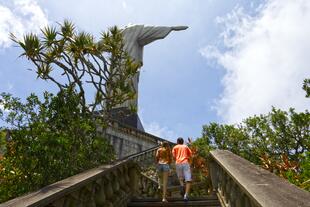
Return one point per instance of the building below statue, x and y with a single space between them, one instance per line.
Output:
125 116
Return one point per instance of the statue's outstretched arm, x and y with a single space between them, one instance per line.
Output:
179 28
152 33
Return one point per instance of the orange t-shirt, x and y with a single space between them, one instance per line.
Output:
181 153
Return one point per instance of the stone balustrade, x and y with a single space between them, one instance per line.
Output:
237 182
107 186
240 183
144 158
147 185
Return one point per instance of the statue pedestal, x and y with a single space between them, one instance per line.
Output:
126 117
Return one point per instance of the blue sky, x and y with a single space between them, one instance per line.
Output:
237 58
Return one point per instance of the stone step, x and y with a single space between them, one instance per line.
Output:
210 201
177 187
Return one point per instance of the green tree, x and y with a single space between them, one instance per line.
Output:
277 141
2 143
103 68
306 87
56 137
50 140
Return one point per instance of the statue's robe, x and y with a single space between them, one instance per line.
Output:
135 38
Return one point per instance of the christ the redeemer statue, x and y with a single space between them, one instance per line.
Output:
135 37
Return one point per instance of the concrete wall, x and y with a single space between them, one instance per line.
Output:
127 141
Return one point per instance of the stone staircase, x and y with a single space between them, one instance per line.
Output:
174 197
235 182
209 201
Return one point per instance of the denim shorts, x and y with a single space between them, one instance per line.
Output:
184 171
163 168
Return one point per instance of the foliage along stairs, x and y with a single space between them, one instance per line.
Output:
209 201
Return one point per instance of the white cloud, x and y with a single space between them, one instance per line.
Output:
20 17
162 132
127 7
124 4
266 58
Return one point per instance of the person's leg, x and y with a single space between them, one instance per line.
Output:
159 175
188 179
165 181
182 191
188 187
160 180
179 170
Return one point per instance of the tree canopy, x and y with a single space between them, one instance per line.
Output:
306 87
279 141
48 139
69 58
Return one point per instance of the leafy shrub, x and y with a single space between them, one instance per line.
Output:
278 141
50 140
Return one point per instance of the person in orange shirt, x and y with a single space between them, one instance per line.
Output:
182 154
163 159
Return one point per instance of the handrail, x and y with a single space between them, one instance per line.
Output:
136 155
241 183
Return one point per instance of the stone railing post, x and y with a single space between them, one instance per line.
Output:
214 173
148 186
134 181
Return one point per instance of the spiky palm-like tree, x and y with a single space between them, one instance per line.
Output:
74 59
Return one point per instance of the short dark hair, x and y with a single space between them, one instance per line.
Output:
180 140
